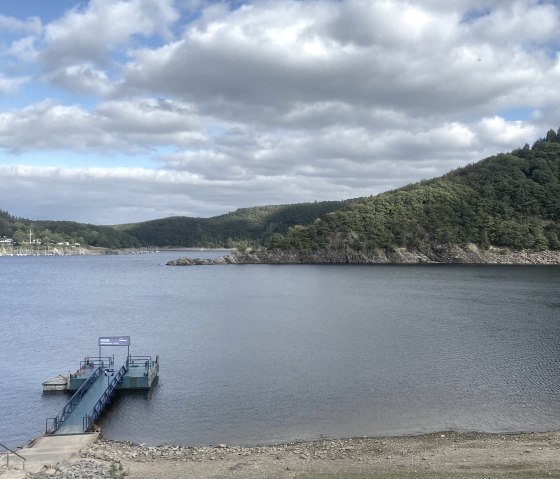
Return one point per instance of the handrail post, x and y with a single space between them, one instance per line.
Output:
13 452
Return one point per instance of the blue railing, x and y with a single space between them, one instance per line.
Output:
95 361
140 361
56 422
88 421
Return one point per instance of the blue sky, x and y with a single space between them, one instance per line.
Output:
114 111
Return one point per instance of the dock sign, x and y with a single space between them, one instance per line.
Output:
114 341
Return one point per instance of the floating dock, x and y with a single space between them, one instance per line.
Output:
141 372
58 383
94 384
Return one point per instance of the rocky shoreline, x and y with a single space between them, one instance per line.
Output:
444 454
445 254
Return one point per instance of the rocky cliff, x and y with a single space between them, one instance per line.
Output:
444 254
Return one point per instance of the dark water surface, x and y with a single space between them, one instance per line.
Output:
264 354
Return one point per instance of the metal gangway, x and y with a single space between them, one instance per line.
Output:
82 410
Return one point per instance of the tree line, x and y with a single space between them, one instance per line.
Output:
54 232
252 225
509 200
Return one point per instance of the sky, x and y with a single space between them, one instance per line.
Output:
119 111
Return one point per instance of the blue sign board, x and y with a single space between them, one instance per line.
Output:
114 341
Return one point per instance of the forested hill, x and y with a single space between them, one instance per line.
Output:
253 225
508 200
53 232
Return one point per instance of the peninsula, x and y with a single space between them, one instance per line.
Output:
502 210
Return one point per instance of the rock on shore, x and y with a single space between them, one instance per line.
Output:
444 454
470 254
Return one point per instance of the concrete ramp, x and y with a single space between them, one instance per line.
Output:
50 450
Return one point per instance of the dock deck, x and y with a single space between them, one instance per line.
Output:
95 383
74 423
86 405
141 373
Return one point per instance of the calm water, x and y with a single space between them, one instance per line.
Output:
264 354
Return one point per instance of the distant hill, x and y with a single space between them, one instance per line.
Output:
52 232
509 200
254 225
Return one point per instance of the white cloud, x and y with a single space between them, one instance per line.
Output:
10 85
276 57
278 101
23 50
524 22
90 34
126 126
500 132
31 25
82 78
119 195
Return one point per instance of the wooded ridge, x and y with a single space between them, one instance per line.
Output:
508 201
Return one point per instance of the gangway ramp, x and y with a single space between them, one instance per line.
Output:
87 403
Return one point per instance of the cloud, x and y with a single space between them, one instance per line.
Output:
82 78
15 26
22 50
349 159
274 101
269 59
122 126
119 195
498 131
90 34
529 23
10 85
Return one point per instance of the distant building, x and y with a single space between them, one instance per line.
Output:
6 240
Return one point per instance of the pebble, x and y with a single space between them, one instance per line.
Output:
104 458
83 470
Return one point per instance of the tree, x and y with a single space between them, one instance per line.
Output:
20 237
551 136
241 246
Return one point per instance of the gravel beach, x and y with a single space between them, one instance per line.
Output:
438 455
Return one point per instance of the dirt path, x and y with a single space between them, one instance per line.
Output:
441 455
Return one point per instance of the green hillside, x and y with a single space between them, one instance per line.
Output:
52 232
254 225
509 200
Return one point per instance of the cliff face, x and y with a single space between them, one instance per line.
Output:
449 254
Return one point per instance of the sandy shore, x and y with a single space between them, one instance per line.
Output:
438 455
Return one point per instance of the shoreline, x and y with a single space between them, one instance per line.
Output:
470 254
444 454
99 251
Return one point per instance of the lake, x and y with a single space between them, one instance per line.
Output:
259 354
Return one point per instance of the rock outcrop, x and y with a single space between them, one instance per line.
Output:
443 254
